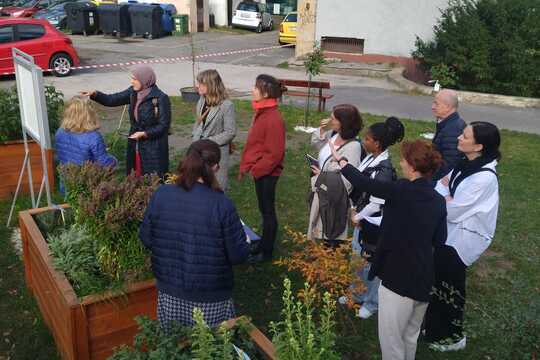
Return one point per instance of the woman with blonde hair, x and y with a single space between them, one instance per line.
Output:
215 119
78 139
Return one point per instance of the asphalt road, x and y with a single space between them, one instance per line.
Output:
376 96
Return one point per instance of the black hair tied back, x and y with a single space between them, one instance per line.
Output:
394 130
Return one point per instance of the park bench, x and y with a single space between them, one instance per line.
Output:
304 84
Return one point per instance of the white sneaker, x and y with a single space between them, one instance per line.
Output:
343 300
460 345
364 313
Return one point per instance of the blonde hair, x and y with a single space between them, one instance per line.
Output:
79 116
216 89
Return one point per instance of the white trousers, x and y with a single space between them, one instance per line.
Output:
400 319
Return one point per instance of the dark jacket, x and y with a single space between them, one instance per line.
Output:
77 148
414 222
195 237
446 140
333 205
154 150
265 145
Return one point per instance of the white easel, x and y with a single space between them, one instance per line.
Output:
34 121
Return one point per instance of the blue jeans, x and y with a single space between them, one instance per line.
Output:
369 298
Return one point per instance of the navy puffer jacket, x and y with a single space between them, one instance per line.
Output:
77 148
154 150
195 237
446 140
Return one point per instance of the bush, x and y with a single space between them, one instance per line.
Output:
112 211
10 121
486 45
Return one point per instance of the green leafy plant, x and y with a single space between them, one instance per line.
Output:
199 342
492 46
73 253
112 210
313 64
10 121
444 74
299 336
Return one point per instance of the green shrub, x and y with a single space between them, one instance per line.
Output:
73 252
488 45
178 343
10 122
298 336
112 210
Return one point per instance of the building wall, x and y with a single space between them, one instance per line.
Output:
388 27
219 9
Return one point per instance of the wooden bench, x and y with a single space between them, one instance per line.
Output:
304 84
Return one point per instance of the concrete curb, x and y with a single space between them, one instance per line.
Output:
396 77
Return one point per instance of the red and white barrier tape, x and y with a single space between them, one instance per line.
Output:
167 60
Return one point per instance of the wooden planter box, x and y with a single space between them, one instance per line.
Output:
11 160
91 327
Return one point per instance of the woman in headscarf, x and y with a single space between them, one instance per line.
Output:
150 119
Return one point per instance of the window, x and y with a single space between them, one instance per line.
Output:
290 18
344 45
29 31
6 34
246 6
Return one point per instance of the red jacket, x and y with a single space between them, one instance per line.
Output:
265 146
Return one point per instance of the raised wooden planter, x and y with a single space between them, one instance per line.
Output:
91 327
11 161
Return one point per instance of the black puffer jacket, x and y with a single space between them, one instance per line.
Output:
446 140
154 150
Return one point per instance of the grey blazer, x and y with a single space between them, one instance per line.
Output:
220 127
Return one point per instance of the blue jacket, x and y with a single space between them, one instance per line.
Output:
446 141
78 148
194 237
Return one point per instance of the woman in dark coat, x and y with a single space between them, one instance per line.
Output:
150 119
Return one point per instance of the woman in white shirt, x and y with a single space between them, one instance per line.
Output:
472 193
340 130
368 210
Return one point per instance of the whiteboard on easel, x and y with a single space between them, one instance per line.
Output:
32 103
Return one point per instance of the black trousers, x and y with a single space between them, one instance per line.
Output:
444 315
266 196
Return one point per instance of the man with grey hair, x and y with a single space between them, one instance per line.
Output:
449 126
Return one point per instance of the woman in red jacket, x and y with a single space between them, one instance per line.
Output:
263 157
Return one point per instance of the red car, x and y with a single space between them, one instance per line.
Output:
25 8
50 48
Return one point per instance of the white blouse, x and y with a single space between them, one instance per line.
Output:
472 213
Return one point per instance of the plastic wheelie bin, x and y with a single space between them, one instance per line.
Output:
115 19
82 18
146 20
167 19
181 25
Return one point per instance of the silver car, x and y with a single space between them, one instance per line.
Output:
252 15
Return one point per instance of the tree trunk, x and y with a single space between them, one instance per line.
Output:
306 110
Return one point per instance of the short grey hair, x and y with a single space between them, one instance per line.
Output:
450 98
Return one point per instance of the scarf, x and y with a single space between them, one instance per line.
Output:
264 103
146 76
466 168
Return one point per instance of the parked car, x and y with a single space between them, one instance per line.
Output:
252 15
287 29
55 15
50 48
29 8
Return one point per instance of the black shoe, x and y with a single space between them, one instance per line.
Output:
259 258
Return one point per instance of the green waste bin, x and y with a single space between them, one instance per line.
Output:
181 24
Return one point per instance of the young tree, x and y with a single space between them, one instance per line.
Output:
313 64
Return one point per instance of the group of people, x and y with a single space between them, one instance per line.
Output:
418 233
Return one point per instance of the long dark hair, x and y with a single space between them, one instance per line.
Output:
488 135
387 133
201 156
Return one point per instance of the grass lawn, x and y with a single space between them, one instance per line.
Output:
503 290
